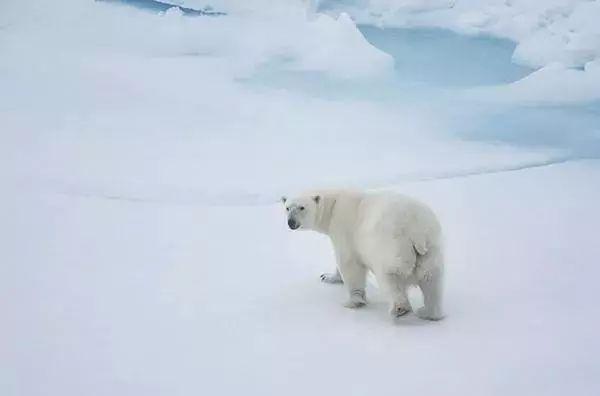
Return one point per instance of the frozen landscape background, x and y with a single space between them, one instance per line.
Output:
142 155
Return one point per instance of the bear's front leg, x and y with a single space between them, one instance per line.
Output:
333 277
357 299
354 276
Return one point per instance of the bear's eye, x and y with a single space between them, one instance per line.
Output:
287 209
301 208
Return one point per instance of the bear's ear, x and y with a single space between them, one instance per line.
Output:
283 200
316 198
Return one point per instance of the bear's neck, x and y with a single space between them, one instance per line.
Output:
325 214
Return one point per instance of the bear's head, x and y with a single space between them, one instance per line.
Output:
302 211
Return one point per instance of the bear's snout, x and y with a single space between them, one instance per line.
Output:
293 224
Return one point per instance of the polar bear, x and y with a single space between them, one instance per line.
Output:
395 237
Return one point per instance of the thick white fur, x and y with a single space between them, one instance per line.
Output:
394 236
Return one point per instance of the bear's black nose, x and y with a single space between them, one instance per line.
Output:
293 224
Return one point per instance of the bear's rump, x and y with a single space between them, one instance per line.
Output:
387 254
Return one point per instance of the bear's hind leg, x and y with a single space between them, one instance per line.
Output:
395 287
430 278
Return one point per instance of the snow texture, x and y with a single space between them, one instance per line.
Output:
142 154
103 297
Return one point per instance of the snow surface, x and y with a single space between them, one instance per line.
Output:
144 252
106 297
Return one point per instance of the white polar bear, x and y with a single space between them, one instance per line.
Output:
394 236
